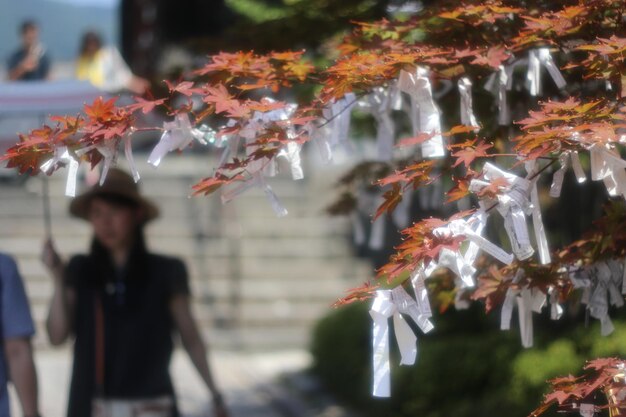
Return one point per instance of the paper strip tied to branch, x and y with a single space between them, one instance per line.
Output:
537 58
338 115
513 204
424 114
498 84
62 158
608 166
393 303
177 134
462 264
527 301
602 283
467 107
379 104
559 175
540 232
259 182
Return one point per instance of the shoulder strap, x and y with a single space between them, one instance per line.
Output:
99 344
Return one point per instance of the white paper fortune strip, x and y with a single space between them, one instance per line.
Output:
379 104
393 303
467 107
128 152
177 134
540 232
601 282
498 84
424 115
513 203
537 58
338 115
527 300
256 181
61 158
606 165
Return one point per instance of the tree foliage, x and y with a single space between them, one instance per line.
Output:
570 55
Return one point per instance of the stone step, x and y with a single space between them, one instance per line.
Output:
240 338
289 226
258 281
268 290
282 248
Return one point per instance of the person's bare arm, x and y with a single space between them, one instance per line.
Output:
193 344
59 323
19 356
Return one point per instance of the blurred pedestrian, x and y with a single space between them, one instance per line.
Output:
16 357
105 68
122 303
30 62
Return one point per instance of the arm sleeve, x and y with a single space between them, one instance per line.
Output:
14 309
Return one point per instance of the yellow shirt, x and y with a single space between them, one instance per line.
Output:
91 69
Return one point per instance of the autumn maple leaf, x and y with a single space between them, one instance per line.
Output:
491 288
391 199
146 106
101 109
470 152
362 293
221 98
214 183
185 88
494 58
459 191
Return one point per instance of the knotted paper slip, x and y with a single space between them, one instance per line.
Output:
62 157
513 203
424 115
601 284
394 303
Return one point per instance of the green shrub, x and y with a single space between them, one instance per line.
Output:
466 367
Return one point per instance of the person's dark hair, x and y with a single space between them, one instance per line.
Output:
87 38
27 25
137 265
100 255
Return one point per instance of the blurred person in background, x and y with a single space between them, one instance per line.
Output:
122 304
31 61
17 328
105 68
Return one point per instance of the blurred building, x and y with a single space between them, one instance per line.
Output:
148 26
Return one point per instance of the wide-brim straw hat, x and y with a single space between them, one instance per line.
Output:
118 183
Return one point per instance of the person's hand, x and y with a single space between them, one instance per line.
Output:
219 407
29 63
50 257
138 85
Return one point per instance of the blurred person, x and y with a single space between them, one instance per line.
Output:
122 303
31 61
16 357
105 68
